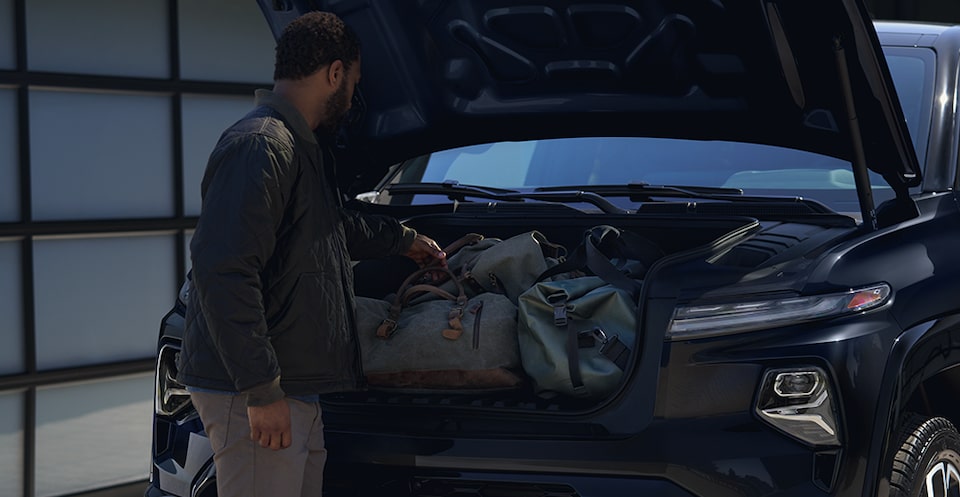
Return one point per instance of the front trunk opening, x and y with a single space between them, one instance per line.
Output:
670 234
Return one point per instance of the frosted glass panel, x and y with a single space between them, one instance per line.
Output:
11 308
8 46
101 299
110 156
11 443
187 236
93 434
109 37
9 158
204 119
224 40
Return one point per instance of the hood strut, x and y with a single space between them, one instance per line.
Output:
861 175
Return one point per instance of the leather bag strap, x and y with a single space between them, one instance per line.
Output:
410 289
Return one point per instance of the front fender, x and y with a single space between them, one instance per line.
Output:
920 354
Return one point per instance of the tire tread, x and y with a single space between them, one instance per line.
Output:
916 432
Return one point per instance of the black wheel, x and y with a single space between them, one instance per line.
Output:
927 464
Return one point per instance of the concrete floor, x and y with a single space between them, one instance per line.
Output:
129 490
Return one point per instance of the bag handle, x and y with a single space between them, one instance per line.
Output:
463 241
590 255
601 266
412 285
409 289
452 248
548 248
626 244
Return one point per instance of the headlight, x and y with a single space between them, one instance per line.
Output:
697 321
800 403
172 396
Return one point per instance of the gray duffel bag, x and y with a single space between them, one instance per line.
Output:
450 342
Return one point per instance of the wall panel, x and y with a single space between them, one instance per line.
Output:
9 156
11 308
110 156
11 443
93 434
8 45
101 299
224 40
103 37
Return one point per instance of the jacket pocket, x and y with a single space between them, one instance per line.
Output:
312 337
287 303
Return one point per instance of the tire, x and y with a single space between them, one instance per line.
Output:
927 464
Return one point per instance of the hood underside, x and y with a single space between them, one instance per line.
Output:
444 73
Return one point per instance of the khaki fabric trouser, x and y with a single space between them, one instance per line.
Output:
246 469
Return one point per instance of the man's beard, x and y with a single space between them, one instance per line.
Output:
335 110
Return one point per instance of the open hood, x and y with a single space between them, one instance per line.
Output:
444 73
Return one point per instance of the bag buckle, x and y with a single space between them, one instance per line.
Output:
559 302
610 346
386 328
589 338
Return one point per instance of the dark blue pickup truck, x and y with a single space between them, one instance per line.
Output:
796 165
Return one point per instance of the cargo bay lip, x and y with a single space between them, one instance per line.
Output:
439 75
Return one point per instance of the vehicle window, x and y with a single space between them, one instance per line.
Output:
499 165
912 70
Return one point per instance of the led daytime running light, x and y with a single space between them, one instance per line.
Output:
171 396
717 319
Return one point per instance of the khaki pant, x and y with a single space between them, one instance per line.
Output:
246 469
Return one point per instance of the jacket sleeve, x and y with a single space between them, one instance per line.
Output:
244 193
370 236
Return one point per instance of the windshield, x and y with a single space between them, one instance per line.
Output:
756 169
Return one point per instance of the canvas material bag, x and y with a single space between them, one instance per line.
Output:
507 266
451 342
620 257
577 335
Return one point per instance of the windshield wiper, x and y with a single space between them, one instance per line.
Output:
644 191
456 191
595 194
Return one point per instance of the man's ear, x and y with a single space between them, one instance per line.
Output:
335 73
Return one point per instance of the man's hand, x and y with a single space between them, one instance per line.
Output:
270 424
425 252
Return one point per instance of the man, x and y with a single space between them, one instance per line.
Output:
269 322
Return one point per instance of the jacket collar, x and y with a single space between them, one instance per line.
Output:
289 113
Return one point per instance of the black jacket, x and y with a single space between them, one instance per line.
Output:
271 311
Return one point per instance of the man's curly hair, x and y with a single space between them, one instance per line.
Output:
312 41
